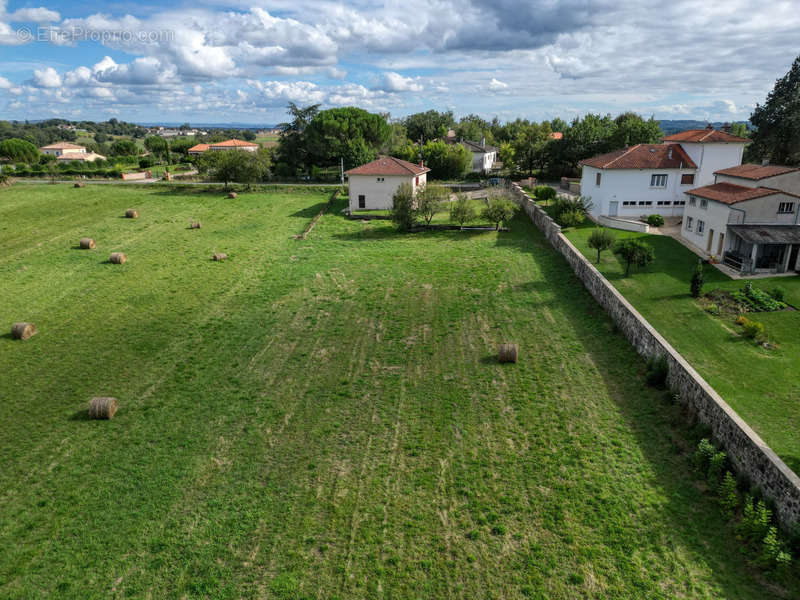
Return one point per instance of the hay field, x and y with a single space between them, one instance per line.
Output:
325 418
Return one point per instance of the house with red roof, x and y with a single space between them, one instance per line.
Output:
646 179
232 144
373 184
748 218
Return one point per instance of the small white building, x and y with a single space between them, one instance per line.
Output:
483 156
232 144
67 151
650 179
752 229
777 177
373 184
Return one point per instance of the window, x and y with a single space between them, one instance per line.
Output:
703 203
658 181
664 203
786 208
379 179
597 178
701 225
628 203
645 203
689 221
362 201
417 181
687 179
692 201
680 203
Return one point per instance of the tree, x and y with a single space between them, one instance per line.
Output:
601 239
473 127
506 155
17 150
776 123
248 135
632 129
499 208
236 166
425 126
430 199
529 146
292 150
739 129
157 146
181 145
402 213
698 279
124 148
349 133
446 161
462 211
634 252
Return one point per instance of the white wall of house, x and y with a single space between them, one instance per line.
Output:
483 161
707 221
64 151
379 189
712 157
764 211
243 148
631 190
788 182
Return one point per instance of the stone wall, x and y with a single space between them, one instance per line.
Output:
746 450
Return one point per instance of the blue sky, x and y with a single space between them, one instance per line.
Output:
223 61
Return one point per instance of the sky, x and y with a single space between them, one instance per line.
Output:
218 61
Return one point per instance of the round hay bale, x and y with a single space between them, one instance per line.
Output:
78 184
103 408
131 214
232 194
218 256
117 258
88 244
507 353
22 331
195 225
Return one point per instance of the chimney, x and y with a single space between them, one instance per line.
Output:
420 163
483 142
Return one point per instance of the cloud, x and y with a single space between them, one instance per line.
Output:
46 78
394 82
497 85
281 92
39 15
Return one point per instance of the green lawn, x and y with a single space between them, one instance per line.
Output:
761 385
325 418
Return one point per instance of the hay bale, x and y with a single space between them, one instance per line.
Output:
195 225
22 331
507 353
103 408
87 244
78 184
117 258
131 214
231 194
218 256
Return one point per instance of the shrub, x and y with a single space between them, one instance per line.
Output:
657 371
403 214
756 300
571 218
755 520
601 239
703 455
772 554
712 308
698 279
462 211
498 209
753 330
655 220
716 469
728 496
430 200
778 294
544 193
742 320
146 162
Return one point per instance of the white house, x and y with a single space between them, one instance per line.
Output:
753 229
777 177
232 144
67 151
651 178
483 156
372 185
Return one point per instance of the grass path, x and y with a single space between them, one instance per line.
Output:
324 418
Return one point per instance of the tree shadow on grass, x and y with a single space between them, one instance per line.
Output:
310 211
80 415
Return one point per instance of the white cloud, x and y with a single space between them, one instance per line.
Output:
301 92
497 85
394 82
39 15
46 78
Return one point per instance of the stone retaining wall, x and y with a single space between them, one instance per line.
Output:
746 450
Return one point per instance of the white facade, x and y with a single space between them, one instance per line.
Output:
628 193
482 161
710 157
788 182
73 153
374 192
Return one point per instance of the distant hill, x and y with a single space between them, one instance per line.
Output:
670 126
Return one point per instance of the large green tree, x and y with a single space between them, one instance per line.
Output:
124 148
425 126
349 133
632 129
446 161
292 150
17 150
776 123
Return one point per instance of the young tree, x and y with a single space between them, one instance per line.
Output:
698 279
499 209
601 239
403 213
462 211
776 123
634 252
430 200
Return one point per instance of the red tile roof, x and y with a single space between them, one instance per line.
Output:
62 146
234 143
556 135
730 193
199 148
643 156
705 136
388 165
756 172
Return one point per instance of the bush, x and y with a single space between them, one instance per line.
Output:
778 294
703 455
712 308
571 218
728 495
753 330
657 371
634 252
755 520
544 193
716 469
655 220
403 214
462 211
498 209
698 279
473 176
146 162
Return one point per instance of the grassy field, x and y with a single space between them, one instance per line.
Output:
325 418
760 384
267 141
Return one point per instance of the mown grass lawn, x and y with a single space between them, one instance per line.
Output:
762 385
325 418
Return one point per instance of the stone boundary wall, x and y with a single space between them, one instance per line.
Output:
748 453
